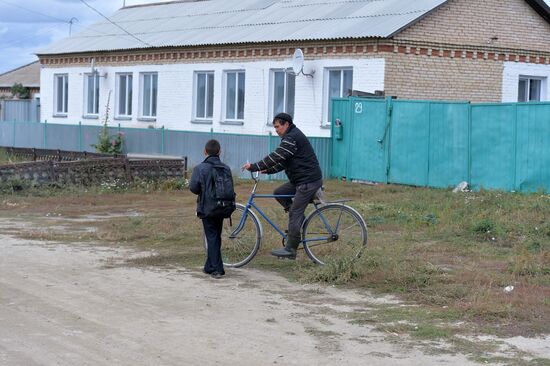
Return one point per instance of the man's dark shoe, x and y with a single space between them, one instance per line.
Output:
216 275
287 253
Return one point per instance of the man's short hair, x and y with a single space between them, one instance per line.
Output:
283 118
212 147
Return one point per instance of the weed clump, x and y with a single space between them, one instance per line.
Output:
335 272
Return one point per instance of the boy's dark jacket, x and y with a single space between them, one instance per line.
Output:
198 180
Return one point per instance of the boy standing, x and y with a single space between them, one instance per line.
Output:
212 224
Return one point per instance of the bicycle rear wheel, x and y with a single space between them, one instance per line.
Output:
239 249
334 232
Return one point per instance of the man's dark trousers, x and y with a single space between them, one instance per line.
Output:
213 232
297 206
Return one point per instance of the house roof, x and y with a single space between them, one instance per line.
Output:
28 75
217 22
222 22
541 7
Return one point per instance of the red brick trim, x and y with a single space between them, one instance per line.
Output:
353 48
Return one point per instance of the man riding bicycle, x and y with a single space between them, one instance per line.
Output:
296 157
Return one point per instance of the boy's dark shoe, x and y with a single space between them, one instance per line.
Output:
216 275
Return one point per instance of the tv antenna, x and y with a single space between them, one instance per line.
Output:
71 22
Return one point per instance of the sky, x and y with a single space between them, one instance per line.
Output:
27 26
30 25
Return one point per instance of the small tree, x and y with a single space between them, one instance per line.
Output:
108 144
19 91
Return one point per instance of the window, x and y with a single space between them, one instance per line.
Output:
61 97
91 94
283 89
149 90
234 95
204 95
340 81
124 91
530 89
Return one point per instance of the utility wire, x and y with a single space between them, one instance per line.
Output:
34 11
115 24
8 44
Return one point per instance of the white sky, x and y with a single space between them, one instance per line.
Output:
42 22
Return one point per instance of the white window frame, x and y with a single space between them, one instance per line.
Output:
224 99
529 79
95 102
285 96
128 96
326 89
65 103
152 116
208 88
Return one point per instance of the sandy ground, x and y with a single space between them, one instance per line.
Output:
68 305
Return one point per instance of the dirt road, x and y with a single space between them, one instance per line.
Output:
68 305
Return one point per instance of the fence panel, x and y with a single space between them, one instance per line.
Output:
493 144
409 143
28 134
368 146
20 110
533 147
88 136
62 137
6 133
341 139
448 144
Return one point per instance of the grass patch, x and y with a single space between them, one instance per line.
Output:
6 158
451 253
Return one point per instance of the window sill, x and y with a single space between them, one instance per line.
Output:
326 126
59 116
232 123
201 121
90 117
123 118
147 119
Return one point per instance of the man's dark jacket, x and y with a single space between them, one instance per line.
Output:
295 155
198 180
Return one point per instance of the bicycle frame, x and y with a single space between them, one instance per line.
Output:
250 204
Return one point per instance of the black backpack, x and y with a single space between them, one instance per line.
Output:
219 194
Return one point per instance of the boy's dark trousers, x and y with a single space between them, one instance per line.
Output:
213 232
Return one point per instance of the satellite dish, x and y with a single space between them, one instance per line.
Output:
298 61
95 71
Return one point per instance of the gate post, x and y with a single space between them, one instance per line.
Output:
79 135
162 141
45 133
387 136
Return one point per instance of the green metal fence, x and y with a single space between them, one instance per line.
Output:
236 148
439 144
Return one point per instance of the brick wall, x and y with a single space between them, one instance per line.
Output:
516 24
427 77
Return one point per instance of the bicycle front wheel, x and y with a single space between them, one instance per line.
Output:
239 246
334 232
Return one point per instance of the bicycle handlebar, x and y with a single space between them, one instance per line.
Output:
255 176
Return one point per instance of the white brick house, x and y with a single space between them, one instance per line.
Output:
224 65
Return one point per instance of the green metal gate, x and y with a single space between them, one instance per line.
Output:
439 144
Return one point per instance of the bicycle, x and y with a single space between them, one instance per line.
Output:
332 231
